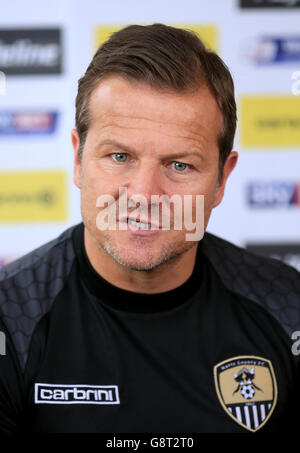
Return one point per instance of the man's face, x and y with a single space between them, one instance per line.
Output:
151 143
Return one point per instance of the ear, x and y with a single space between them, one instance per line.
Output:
77 169
228 167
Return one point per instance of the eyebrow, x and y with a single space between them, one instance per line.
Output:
117 144
170 156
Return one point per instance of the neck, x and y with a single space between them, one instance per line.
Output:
165 277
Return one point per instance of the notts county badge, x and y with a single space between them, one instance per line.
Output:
247 389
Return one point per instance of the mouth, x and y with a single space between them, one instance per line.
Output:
140 224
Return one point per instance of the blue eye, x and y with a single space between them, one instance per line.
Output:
180 166
119 157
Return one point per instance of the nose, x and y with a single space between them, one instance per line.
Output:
146 180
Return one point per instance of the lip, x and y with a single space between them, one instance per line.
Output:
153 225
139 232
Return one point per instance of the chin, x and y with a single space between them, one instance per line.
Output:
135 261
147 259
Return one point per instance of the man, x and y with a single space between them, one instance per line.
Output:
125 323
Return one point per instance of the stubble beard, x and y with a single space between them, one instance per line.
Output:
168 253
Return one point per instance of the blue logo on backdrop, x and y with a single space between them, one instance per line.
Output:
272 50
273 194
27 122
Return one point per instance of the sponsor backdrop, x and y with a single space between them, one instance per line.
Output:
46 46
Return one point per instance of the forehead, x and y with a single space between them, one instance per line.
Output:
120 103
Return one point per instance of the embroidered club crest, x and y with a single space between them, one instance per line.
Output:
247 390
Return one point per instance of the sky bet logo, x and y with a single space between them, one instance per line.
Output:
271 50
27 122
273 194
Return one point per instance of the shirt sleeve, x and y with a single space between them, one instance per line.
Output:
11 386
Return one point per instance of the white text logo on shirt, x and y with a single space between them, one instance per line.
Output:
76 394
